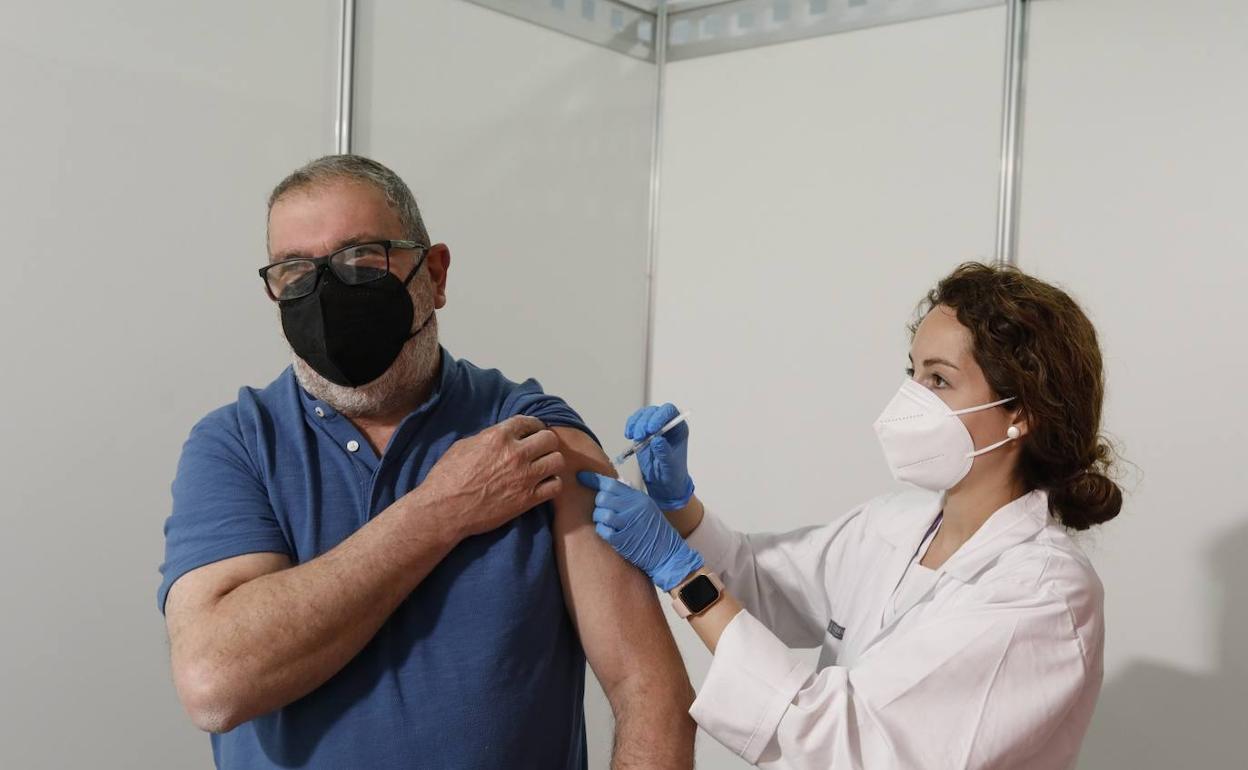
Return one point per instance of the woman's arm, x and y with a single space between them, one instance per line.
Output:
781 578
988 686
710 625
687 519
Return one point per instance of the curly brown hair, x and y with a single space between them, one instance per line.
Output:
1034 343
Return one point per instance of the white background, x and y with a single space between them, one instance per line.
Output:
139 145
812 193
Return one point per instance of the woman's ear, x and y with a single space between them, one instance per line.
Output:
1020 422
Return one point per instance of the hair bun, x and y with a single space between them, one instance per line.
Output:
1087 499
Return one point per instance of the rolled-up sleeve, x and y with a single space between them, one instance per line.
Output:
528 398
221 508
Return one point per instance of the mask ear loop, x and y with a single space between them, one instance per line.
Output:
982 407
1010 435
424 253
423 324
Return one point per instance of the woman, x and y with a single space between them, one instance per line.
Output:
960 626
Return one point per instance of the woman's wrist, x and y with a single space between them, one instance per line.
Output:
687 519
675 591
709 624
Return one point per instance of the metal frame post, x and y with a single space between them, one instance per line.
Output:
346 77
1012 131
656 153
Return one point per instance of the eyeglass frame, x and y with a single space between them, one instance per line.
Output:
321 264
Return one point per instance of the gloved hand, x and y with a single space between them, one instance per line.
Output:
664 461
634 526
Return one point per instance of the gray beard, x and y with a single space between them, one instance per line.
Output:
411 371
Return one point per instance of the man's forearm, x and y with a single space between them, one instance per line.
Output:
653 729
279 636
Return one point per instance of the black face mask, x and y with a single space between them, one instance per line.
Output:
350 335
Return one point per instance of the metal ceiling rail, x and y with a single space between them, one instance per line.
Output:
711 28
739 24
609 23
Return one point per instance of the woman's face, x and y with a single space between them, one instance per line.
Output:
942 361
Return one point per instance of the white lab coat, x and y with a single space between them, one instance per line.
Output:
996 665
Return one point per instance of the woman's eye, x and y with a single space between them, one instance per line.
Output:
938 381
910 372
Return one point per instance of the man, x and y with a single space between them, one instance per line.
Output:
381 560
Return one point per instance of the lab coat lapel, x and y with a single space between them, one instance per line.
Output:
904 530
1012 524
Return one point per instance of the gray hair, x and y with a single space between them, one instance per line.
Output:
359 169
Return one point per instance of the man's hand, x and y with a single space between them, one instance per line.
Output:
484 481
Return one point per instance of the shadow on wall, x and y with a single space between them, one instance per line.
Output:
1157 716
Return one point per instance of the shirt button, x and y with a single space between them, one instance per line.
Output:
353 446
320 412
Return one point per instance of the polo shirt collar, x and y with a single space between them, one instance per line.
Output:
322 411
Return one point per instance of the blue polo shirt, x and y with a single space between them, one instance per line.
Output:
478 668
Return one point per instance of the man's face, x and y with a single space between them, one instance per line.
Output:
319 220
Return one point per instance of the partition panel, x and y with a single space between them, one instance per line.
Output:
529 152
141 139
812 193
1133 199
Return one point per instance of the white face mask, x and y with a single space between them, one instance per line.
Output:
924 441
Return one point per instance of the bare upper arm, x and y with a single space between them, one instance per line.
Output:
613 604
201 588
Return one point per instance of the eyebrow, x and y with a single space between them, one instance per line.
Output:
354 240
934 361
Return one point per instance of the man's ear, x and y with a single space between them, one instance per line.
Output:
438 263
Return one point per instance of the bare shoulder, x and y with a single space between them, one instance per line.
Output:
581 452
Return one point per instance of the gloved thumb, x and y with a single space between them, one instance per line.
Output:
594 481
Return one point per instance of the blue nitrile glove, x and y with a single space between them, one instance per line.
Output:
634 526
665 460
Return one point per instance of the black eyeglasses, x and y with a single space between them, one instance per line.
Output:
353 265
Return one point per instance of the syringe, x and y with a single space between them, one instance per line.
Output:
622 457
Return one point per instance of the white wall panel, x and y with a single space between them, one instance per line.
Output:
140 139
529 152
812 192
1133 198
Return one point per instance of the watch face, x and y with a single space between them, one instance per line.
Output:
699 593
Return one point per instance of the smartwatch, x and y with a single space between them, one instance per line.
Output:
698 595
